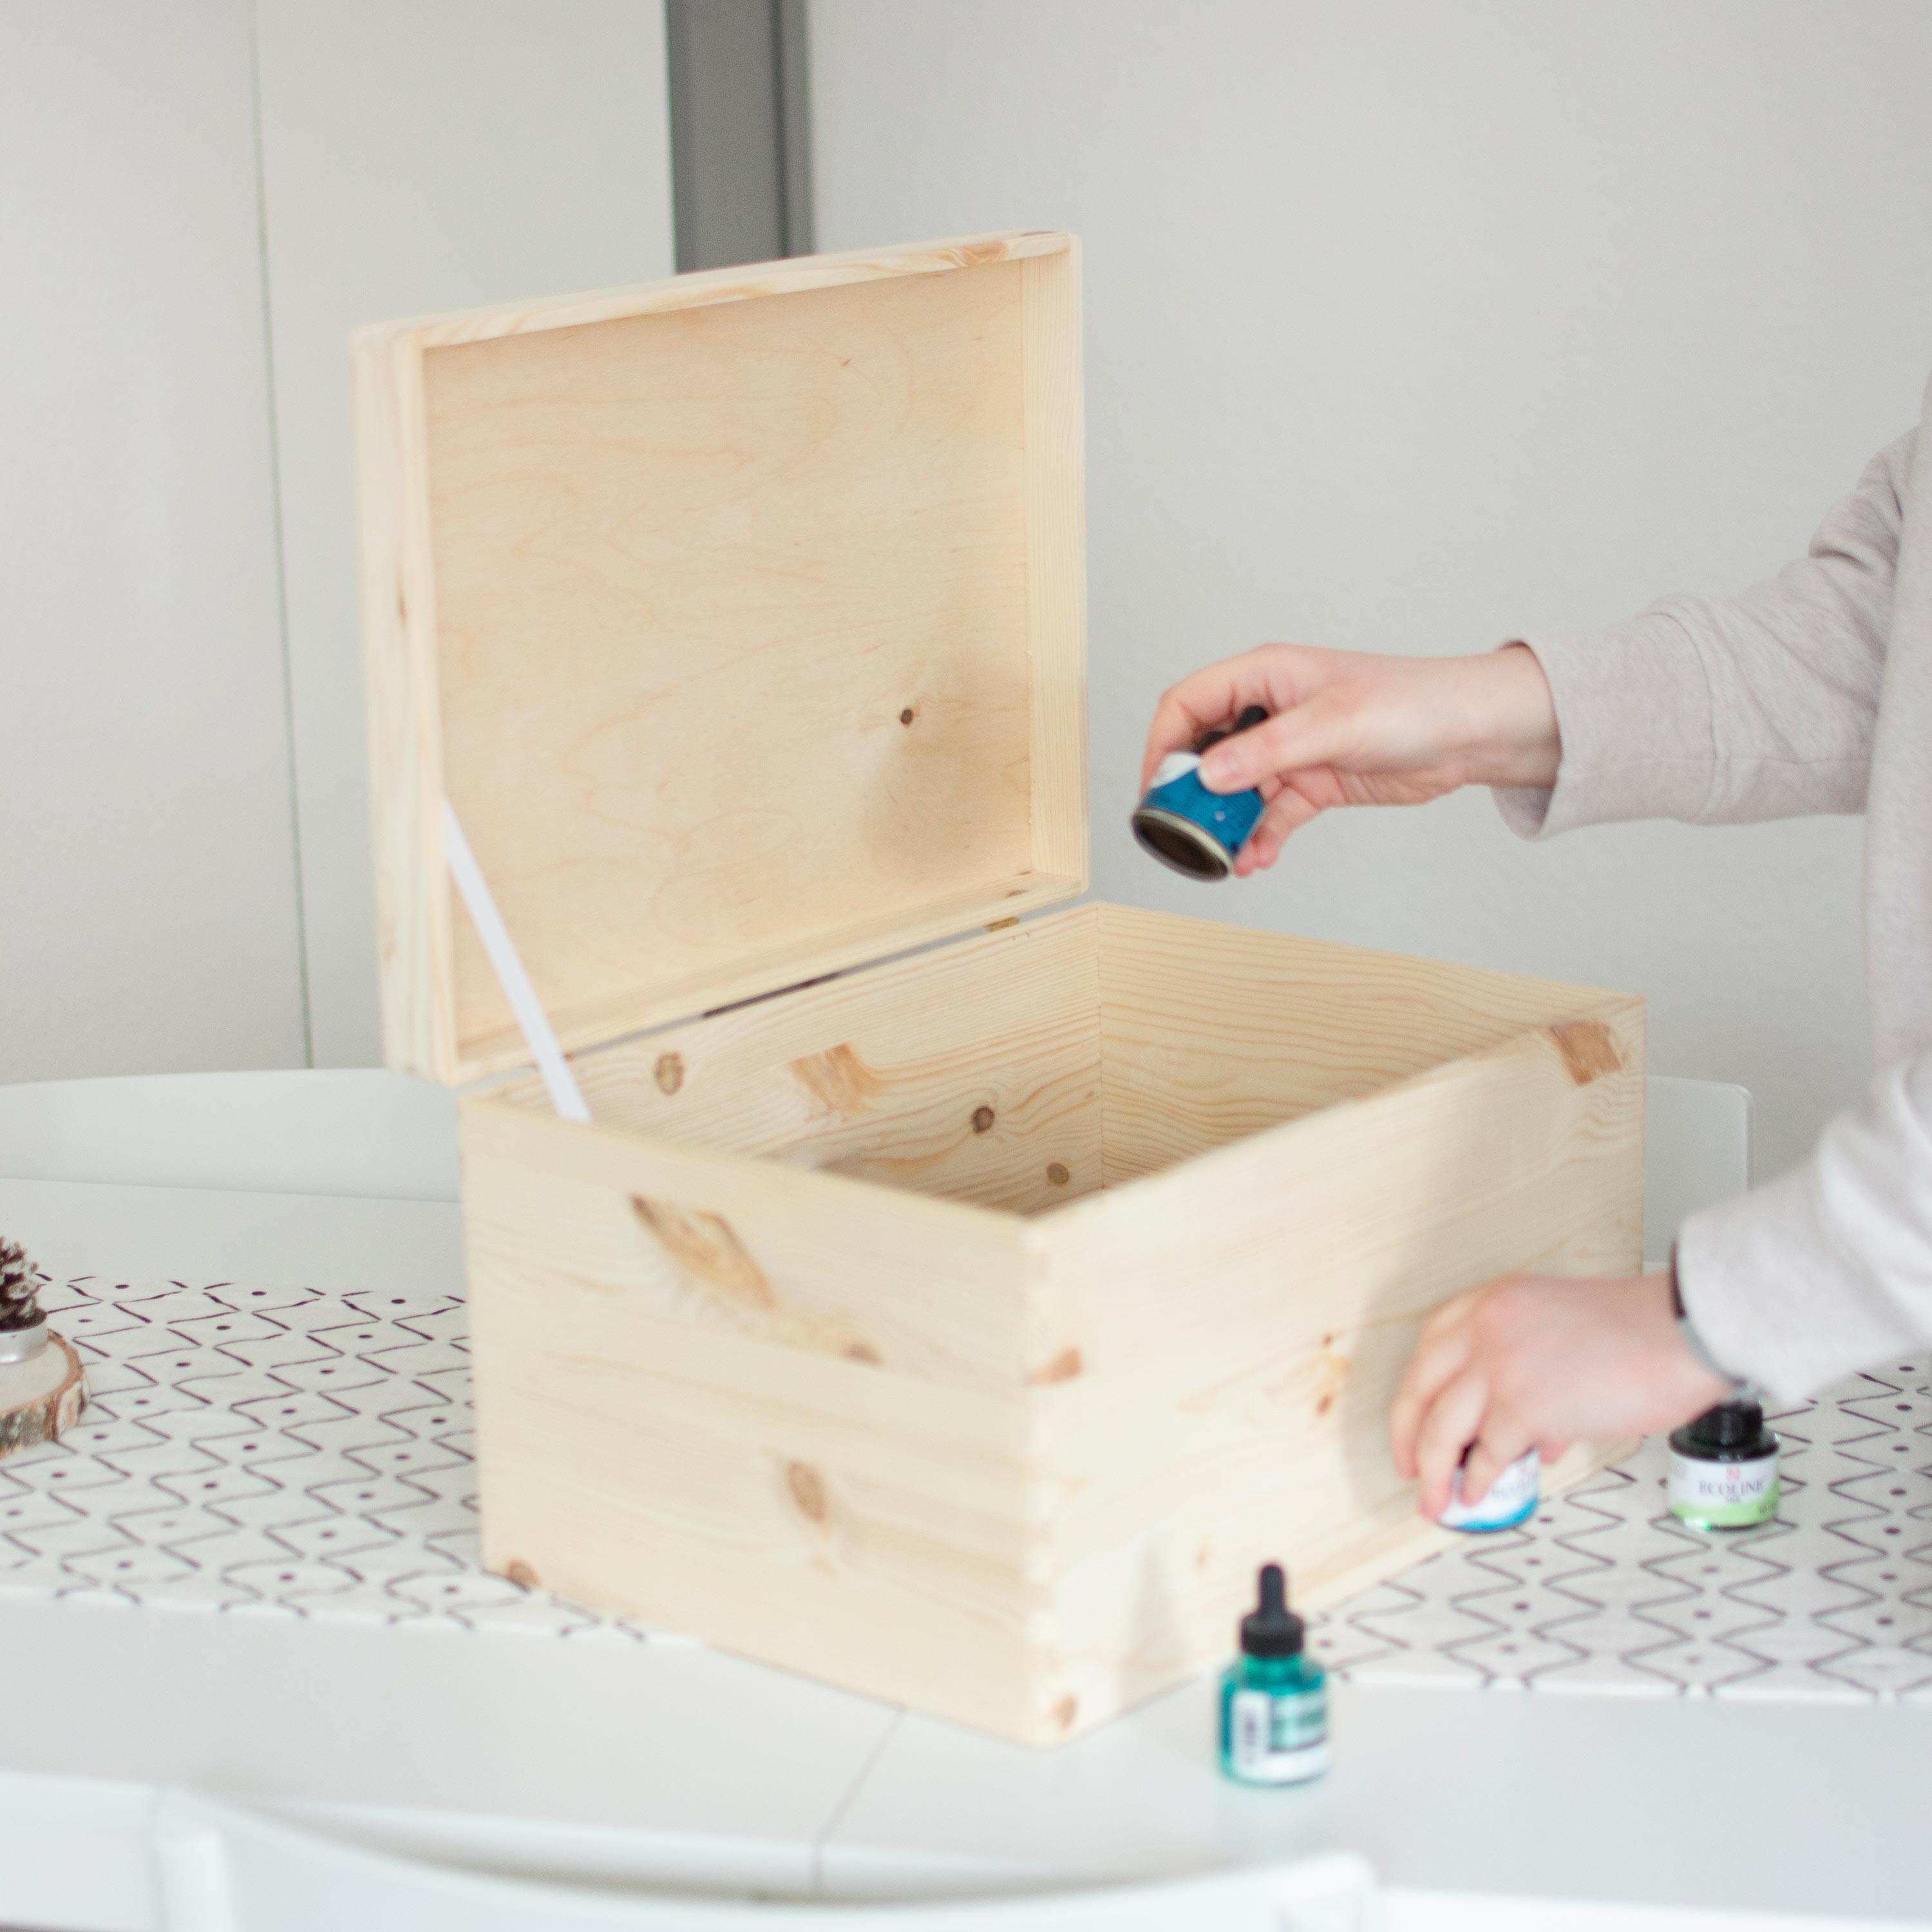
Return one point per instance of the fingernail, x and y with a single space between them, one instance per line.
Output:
1219 774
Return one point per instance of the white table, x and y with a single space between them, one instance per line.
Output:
600 1759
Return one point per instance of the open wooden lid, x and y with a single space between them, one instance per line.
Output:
741 618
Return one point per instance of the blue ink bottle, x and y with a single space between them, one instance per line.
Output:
1190 830
1512 1497
1274 1697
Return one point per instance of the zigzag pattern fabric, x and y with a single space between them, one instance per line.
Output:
298 1453
288 1450
1604 1590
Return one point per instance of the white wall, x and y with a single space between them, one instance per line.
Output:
1410 326
415 156
161 236
147 866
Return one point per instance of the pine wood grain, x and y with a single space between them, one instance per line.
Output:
781 1411
1212 1032
1243 1320
712 1377
741 618
399 659
710 288
937 1289
1056 556
964 1330
972 1072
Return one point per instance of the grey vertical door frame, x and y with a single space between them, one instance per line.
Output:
741 141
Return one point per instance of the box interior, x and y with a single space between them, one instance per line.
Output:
1079 1051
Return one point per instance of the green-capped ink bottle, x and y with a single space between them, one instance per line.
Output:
1723 1468
1274 1697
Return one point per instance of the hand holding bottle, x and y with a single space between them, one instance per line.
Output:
1345 728
1540 1362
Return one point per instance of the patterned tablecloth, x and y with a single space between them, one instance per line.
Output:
268 1451
300 1453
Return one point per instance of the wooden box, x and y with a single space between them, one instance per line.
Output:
963 1328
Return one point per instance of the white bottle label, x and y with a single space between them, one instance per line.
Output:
1511 1498
1700 1487
1278 1740
1175 765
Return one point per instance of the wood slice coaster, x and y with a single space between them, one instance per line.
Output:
40 1400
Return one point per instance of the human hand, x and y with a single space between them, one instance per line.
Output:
1540 1362
1345 728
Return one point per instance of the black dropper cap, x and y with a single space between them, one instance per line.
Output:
1256 714
1731 1425
1273 1630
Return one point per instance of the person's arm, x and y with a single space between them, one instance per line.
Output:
1715 711
1825 1271
1828 1268
1347 727
1720 711
1759 707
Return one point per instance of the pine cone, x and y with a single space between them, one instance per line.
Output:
20 1287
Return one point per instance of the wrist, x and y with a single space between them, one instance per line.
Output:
1514 739
1692 1337
1696 1383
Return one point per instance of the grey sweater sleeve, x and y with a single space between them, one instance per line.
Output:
1764 706
1721 711
1828 1268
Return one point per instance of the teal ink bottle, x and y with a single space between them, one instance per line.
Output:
1274 1697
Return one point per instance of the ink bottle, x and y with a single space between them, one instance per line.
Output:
1512 1497
1723 1468
1274 1697
1188 829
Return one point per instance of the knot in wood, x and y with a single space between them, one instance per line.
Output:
521 1574
669 1071
807 1490
907 715
982 1119
1064 1366
1589 1048
1058 1173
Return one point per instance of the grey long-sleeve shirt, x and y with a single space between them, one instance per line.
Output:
1810 693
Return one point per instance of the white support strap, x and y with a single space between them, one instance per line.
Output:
564 1095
